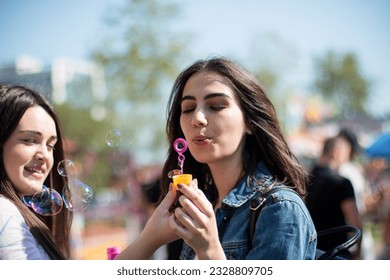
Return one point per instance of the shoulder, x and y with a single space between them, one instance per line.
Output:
285 193
285 208
16 240
5 203
10 216
7 210
287 202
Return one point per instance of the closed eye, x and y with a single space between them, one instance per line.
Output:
188 110
28 140
218 107
52 147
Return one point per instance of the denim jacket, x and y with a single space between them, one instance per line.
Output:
284 228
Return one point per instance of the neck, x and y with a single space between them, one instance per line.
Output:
226 177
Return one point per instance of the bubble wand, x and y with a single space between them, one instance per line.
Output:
180 146
178 176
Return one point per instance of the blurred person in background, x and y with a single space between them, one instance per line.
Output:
378 206
384 213
354 171
351 169
331 197
30 145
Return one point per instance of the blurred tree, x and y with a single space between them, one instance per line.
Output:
84 136
140 55
273 61
339 79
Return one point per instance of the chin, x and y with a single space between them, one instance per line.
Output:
202 159
34 187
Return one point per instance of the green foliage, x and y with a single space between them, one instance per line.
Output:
79 126
88 136
339 79
140 56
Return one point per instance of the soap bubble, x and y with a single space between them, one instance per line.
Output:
76 195
65 168
114 138
47 202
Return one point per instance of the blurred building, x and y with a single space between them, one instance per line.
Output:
30 72
78 83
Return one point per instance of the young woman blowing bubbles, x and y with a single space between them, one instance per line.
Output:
236 152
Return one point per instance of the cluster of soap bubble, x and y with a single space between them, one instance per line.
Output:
47 202
75 194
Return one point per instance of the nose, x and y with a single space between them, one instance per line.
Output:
198 119
43 153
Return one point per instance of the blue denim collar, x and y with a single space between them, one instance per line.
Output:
249 186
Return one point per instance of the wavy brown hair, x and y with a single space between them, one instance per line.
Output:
52 232
266 143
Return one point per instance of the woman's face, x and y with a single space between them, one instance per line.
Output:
28 153
212 120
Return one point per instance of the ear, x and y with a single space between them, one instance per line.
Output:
249 129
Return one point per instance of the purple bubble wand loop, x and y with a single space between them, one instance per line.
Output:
180 146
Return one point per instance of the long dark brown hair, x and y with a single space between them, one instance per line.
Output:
52 232
266 143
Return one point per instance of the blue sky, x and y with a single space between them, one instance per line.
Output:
48 29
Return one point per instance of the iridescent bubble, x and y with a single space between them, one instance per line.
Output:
48 202
76 195
174 172
27 200
65 167
114 138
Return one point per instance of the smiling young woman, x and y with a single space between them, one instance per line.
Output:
30 145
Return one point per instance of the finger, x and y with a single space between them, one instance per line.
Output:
189 209
194 184
197 197
185 220
177 227
168 199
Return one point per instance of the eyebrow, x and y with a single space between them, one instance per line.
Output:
208 96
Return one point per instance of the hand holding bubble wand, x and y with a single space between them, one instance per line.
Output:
178 176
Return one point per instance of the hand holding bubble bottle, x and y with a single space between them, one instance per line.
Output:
178 176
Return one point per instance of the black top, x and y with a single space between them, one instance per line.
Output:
326 191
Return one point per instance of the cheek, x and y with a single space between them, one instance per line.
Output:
233 125
185 123
50 163
9 169
10 160
13 165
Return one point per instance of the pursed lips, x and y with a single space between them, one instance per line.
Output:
200 139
